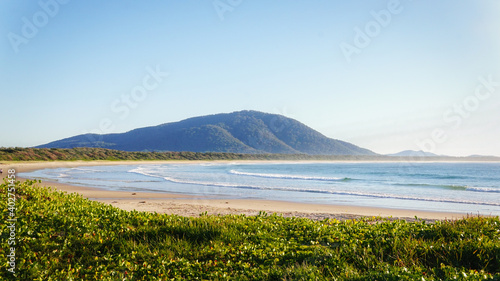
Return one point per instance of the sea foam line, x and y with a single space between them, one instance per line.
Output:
283 176
87 170
204 183
445 186
453 187
322 191
483 189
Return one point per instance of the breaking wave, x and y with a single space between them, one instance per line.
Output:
285 176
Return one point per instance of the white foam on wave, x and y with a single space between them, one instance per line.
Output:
285 176
151 173
216 184
87 170
144 171
349 193
483 189
323 191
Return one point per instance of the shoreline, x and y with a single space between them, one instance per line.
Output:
191 205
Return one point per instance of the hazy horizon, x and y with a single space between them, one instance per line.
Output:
384 75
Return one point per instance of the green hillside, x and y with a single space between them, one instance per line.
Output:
237 132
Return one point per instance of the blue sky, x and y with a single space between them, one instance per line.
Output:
384 75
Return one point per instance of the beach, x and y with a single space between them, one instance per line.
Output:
185 205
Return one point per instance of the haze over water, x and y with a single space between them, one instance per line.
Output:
449 187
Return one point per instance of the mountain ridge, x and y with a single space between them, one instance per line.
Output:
414 153
237 132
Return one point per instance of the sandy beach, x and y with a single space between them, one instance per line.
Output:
185 205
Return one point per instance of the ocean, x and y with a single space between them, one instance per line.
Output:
472 188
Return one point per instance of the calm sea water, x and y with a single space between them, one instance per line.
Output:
457 187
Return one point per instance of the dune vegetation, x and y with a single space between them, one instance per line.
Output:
60 236
96 153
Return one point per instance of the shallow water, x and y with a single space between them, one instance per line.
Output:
451 187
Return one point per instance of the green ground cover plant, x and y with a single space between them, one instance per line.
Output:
62 236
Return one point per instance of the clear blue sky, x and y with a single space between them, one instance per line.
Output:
384 75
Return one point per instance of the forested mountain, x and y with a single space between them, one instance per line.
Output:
238 132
